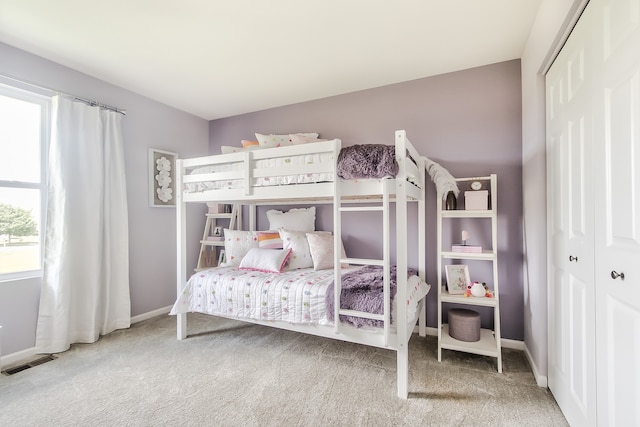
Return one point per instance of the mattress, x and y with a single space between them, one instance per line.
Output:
295 296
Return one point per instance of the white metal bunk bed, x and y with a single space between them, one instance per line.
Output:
244 176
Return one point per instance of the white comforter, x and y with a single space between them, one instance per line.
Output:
296 296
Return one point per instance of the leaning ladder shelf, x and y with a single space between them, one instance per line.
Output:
209 255
490 342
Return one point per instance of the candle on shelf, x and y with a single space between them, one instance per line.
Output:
465 237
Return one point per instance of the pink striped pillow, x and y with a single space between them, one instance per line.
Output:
269 240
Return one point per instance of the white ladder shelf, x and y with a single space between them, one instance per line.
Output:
490 339
209 255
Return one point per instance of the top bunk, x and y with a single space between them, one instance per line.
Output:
305 171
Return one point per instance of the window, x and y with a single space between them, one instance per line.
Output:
24 136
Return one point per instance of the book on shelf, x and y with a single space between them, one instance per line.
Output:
469 249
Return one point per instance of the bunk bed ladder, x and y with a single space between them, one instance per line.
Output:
376 206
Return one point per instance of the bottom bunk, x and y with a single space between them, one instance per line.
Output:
302 297
302 300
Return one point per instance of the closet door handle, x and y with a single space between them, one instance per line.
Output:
573 258
615 275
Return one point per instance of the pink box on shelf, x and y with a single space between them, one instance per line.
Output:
476 200
469 249
215 207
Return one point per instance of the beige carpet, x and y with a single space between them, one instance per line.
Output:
229 373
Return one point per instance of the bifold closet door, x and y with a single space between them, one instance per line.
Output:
571 294
617 168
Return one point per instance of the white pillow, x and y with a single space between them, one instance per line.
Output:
297 219
265 260
299 245
237 243
228 149
269 141
300 138
321 250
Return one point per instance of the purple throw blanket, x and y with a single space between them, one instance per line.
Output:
367 161
362 290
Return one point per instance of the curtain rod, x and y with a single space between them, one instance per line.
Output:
67 95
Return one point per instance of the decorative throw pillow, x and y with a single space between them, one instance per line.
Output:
270 141
299 138
265 260
297 242
297 219
321 250
237 243
246 143
227 149
269 240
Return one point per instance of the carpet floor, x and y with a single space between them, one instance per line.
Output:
229 373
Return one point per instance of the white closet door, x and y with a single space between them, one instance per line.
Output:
572 375
618 213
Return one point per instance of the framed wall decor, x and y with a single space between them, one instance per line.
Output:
457 278
162 174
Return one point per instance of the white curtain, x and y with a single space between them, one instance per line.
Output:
85 289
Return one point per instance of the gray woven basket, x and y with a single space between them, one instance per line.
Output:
464 325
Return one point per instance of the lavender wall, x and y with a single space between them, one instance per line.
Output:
152 235
469 121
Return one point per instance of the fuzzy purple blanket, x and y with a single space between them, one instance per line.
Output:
362 291
367 161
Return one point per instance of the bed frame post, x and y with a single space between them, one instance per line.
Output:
337 240
181 228
402 266
422 244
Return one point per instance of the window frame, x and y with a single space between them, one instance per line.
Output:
45 103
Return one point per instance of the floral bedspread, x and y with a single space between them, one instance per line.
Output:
296 296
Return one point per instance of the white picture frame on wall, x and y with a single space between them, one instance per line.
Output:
162 178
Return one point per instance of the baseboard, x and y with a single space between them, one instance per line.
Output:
151 314
541 380
23 355
17 358
512 344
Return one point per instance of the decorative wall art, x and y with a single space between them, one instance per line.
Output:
162 182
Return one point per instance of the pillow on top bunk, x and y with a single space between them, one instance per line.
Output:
297 219
269 240
321 250
237 243
269 141
265 260
228 149
247 143
299 138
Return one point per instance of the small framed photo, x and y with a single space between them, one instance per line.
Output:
457 278
162 178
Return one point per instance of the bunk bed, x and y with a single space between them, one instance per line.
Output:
310 174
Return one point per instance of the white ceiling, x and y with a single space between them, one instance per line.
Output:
219 58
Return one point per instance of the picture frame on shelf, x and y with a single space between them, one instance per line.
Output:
162 178
457 278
